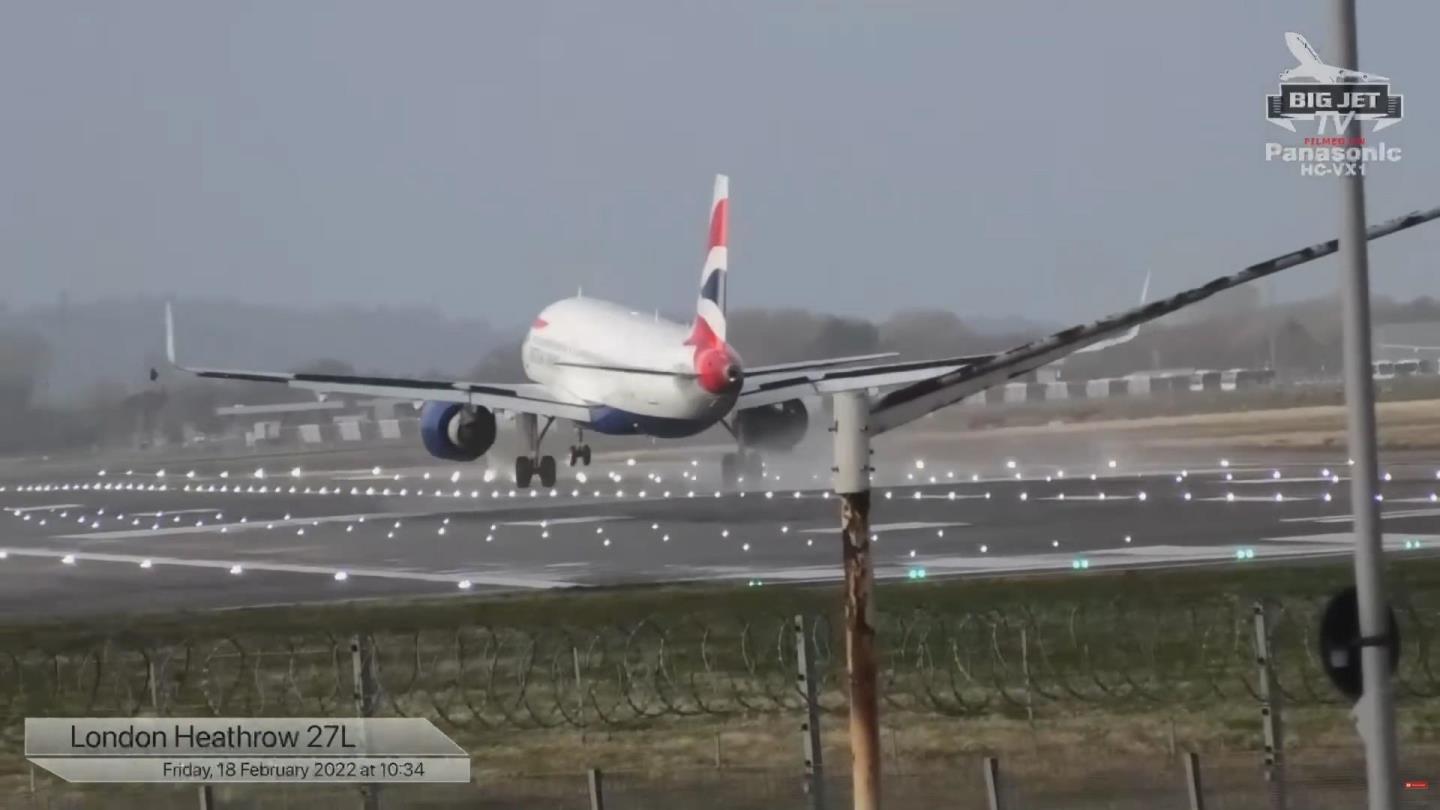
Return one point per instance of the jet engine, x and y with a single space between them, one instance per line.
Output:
456 432
780 426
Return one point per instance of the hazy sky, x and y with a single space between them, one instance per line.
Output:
1021 157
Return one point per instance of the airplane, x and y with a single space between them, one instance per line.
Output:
609 369
1311 67
605 368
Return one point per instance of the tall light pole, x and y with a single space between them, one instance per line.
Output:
1376 712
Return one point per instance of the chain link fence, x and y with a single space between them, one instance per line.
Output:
1035 663
1024 661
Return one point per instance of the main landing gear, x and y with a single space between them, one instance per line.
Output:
580 452
527 467
736 468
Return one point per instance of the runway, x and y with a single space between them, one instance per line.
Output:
84 538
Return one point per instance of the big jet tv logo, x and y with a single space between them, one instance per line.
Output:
1333 97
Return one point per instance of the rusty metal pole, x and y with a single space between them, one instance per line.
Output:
852 484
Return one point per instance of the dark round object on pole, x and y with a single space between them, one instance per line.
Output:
1341 641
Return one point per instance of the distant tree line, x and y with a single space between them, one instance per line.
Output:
1231 330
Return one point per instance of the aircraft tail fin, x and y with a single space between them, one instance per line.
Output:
710 306
1299 48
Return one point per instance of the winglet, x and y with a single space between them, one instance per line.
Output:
170 335
1129 334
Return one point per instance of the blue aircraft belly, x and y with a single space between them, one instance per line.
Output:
615 422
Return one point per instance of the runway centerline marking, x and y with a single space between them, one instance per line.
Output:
478 578
890 527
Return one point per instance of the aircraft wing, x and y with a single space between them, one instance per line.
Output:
515 398
927 386
778 387
811 365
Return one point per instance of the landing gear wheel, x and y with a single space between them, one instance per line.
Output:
730 471
585 454
753 465
524 469
547 471
574 455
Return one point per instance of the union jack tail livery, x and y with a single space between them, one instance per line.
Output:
709 328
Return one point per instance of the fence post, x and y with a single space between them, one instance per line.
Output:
810 726
1025 669
579 693
1192 781
362 663
207 798
597 790
992 783
1270 709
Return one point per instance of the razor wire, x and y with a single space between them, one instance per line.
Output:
1020 660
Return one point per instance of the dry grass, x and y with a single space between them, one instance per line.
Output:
1413 424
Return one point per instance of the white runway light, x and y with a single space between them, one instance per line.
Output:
463 584
68 559
237 570
341 576
294 472
146 564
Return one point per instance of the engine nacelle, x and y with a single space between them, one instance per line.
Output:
780 426
456 432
